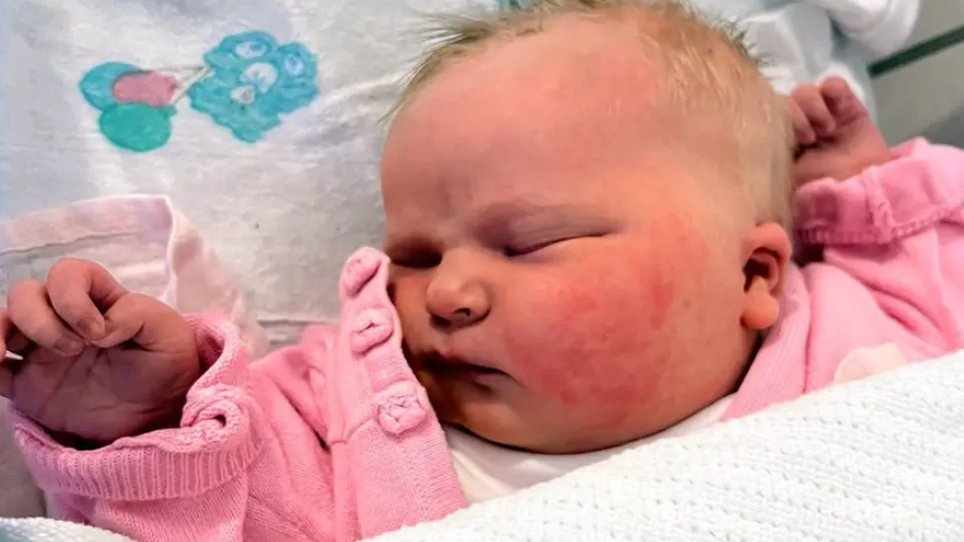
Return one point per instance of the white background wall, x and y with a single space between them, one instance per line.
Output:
927 97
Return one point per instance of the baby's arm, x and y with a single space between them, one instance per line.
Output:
891 231
262 453
241 464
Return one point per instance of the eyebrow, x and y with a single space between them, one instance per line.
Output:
500 214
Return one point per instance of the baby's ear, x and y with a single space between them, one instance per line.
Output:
764 271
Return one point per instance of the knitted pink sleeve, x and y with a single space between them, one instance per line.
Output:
244 464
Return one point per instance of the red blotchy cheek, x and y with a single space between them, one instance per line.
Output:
551 350
659 297
545 336
597 343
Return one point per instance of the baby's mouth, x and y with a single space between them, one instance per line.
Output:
451 366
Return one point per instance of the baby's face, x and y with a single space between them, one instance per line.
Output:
561 282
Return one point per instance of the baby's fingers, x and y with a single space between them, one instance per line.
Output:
811 102
146 321
29 311
803 134
79 290
843 104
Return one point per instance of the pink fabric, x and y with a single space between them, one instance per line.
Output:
866 362
892 272
335 439
330 440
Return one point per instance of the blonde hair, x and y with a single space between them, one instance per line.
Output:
709 73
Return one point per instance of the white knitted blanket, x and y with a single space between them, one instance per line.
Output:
49 530
877 460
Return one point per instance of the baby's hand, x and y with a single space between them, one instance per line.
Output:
99 363
835 136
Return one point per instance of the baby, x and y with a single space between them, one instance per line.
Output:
588 205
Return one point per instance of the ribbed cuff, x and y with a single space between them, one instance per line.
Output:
220 435
884 203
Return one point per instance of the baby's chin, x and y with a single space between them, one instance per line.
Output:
503 427
549 444
485 418
494 416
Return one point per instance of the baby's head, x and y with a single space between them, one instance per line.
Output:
584 202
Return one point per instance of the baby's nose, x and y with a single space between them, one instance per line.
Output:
456 301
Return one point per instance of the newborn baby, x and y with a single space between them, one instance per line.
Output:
588 210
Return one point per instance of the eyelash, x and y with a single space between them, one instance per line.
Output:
428 261
419 261
516 252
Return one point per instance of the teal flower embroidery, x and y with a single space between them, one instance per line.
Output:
253 81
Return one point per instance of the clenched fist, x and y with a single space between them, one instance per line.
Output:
99 362
835 136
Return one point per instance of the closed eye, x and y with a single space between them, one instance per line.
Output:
523 250
417 261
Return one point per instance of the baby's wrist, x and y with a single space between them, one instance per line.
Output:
885 156
863 163
168 418
75 442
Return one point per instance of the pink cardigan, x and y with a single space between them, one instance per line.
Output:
892 273
335 439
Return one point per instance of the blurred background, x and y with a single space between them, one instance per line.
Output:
921 89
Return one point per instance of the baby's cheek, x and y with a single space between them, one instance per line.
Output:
595 342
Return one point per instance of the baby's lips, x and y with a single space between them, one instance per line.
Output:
445 361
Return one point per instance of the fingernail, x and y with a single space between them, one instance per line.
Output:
90 328
69 346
